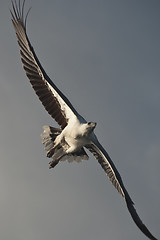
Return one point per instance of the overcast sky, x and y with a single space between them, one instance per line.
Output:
105 57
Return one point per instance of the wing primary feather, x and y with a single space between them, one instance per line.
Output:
105 161
35 71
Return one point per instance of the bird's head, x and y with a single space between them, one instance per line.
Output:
89 127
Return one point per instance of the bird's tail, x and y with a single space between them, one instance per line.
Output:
48 139
58 151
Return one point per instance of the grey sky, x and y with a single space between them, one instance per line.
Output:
105 57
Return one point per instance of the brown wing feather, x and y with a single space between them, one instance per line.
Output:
56 104
105 161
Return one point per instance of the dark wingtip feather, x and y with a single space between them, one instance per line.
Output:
34 71
17 12
138 221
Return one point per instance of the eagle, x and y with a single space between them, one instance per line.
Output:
75 133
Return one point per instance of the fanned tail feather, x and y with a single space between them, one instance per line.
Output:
48 139
58 152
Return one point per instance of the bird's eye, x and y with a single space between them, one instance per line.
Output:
89 123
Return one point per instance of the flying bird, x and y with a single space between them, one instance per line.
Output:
75 133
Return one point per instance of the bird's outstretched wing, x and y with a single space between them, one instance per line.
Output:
105 161
57 105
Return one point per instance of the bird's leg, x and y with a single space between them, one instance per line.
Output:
53 163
